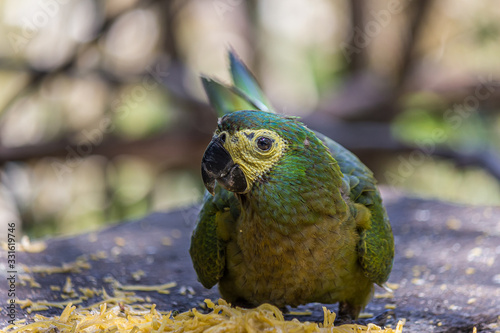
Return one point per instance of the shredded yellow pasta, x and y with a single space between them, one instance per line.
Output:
114 316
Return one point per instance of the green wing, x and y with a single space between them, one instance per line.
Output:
376 246
208 241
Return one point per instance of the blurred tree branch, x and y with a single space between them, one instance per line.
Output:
366 96
357 59
174 149
418 14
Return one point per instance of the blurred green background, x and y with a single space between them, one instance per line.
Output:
103 117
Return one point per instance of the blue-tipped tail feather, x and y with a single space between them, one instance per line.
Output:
244 94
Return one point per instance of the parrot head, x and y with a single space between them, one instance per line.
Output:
247 145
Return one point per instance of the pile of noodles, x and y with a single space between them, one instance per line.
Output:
221 317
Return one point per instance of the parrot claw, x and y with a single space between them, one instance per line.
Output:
386 287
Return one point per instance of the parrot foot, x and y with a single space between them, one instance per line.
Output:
285 310
348 313
381 319
243 303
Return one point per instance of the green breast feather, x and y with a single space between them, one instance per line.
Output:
209 239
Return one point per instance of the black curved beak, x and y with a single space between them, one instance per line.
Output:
218 165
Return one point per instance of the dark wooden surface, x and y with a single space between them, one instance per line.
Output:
447 265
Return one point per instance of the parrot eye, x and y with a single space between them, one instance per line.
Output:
264 143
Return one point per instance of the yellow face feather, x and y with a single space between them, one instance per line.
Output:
255 151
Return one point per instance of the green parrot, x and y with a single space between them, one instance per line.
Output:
290 216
